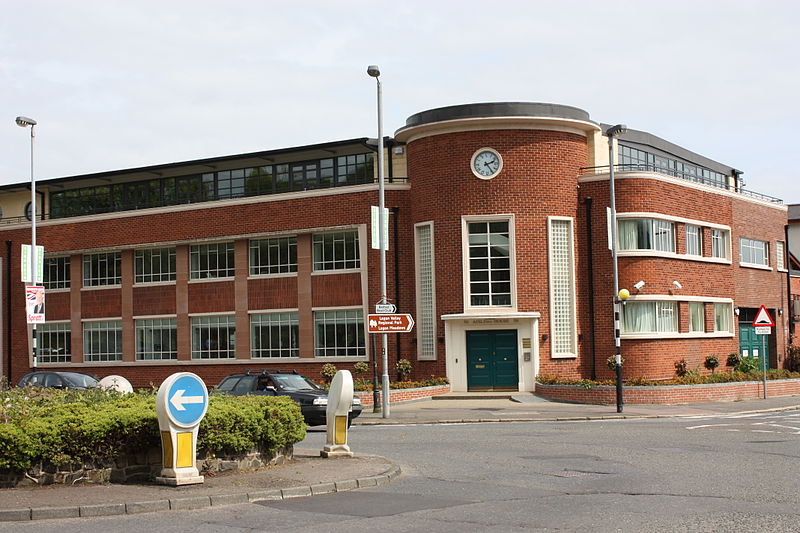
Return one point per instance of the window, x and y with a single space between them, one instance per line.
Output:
719 244
722 317
780 255
426 312
562 288
54 342
56 273
694 240
489 263
650 317
646 234
697 317
353 169
274 335
273 256
340 333
156 339
157 264
102 341
336 251
211 260
754 252
102 269
214 337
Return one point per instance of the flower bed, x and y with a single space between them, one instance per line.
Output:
669 394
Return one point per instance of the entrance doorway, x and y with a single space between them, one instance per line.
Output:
750 344
492 360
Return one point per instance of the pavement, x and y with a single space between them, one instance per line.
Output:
308 474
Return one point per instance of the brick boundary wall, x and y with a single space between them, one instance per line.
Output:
406 395
670 394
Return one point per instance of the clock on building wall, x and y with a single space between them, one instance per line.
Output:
486 163
28 211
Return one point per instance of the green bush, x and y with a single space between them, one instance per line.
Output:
328 371
733 360
403 368
692 377
61 427
793 358
681 368
711 362
749 365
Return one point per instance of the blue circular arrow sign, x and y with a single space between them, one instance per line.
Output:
187 400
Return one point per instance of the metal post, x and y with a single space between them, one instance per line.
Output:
33 254
764 364
375 398
617 344
375 72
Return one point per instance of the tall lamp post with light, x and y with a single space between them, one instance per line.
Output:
375 72
24 122
619 295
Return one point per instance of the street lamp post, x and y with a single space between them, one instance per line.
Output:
24 122
612 132
375 72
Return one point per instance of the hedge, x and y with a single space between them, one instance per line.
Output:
95 426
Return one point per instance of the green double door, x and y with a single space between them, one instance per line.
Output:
752 345
492 360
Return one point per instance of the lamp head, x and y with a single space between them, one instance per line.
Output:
373 71
623 294
24 122
619 129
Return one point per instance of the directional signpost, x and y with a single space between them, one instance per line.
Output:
763 324
390 323
181 404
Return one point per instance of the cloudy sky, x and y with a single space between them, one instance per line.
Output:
118 84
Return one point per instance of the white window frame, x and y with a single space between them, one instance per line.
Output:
694 240
660 310
280 320
144 256
723 311
465 221
207 322
656 228
261 265
222 270
337 264
349 317
677 300
756 250
426 303
51 329
61 267
558 292
702 326
112 262
720 243
151 327
780 256
108 327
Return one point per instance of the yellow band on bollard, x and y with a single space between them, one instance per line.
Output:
185 457
166 450
341 430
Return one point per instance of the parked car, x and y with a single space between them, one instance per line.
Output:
312 398
59 380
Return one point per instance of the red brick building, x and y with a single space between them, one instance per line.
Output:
498 245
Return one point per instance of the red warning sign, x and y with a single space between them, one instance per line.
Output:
763 319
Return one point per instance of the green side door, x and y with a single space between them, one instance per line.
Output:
752 345
492 360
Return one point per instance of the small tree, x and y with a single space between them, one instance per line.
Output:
403 368
733 360
612 362
681 368
360 368
328 371
711 362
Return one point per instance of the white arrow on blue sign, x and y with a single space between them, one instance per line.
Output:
187 400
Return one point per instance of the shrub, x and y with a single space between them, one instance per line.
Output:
611 362
360 367
793 358
733 360
328 371
711 362
403 368
749 365
681 368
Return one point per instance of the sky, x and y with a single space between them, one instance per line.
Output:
121 84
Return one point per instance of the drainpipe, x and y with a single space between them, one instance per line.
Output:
588 202
395 229
8 310
788 282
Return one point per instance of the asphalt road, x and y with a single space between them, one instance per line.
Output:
724 473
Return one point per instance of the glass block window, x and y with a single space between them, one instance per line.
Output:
489 263
102 269
694 240
153 265
214 337
646 234
650 317
211 260
54 342
156 339
780 255
426 314
336 251
273 256
56 273
697 317
562 288
722 317
340 333
274 335
102 341
754 252
719 243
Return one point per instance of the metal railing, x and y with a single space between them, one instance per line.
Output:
640 167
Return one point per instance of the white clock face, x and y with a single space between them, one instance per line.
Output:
486 163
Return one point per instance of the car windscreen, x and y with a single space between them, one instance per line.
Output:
294 382
228 383
79 380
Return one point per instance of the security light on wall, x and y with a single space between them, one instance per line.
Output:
638 285
677 284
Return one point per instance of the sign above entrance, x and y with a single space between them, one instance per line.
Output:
396 323
763 318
